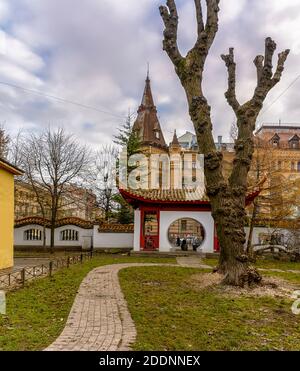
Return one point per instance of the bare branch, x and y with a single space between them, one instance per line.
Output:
199 15
280 66
270 47
265 79
258 61
170 18
212 21
231 67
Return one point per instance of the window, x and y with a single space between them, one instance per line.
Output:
183 225
157 134
294 142
279 165
69 235
275 140
292 166
33 235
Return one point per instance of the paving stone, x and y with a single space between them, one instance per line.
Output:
99 319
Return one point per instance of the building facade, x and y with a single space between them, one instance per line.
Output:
7 173
76 202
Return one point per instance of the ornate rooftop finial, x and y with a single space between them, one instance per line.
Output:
148 73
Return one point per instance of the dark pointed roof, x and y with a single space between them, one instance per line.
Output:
175 142
147 123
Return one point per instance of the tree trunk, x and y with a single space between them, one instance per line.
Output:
52 236
227 196
233 262
249 249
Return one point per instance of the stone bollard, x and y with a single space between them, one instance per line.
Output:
2 302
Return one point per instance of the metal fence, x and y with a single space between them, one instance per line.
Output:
17 279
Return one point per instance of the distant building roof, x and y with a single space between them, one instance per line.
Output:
282 133
277 127
4 164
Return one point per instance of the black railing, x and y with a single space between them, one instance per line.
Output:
18 278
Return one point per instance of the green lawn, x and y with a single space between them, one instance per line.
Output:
169 311
172 315
265 263
37 314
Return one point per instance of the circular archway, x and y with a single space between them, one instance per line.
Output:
186 234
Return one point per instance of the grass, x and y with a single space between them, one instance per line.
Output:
169 312
172 315
37 314
262 262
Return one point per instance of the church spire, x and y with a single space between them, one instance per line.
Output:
147 123
147 100
175 141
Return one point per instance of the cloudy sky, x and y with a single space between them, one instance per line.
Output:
95 53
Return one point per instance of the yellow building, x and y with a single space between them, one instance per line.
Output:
7 173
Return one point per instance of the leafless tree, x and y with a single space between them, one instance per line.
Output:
53 161
15 148
104 178
233 134
227 196
4 142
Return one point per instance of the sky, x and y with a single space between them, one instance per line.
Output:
95 53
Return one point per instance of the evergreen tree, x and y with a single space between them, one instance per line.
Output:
125 214
128 137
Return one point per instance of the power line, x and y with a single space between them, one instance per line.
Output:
280 95
62 100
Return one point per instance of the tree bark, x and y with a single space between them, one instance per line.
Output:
227 196
249 249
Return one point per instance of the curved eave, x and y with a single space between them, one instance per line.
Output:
136 200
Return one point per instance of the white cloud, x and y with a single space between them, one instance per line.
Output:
95 52
4 10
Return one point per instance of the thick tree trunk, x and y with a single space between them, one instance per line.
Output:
233 262
227 196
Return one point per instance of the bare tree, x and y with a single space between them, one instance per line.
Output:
53 160
233 134
4 142
15 148
227 196
104 178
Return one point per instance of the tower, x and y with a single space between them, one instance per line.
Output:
147 123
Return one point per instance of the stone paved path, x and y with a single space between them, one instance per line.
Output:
99 319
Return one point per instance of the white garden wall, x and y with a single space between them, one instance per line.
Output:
19 236
106 240
84 237
137 229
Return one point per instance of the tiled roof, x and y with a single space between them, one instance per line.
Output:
180 195
115 228
172 195
46 222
